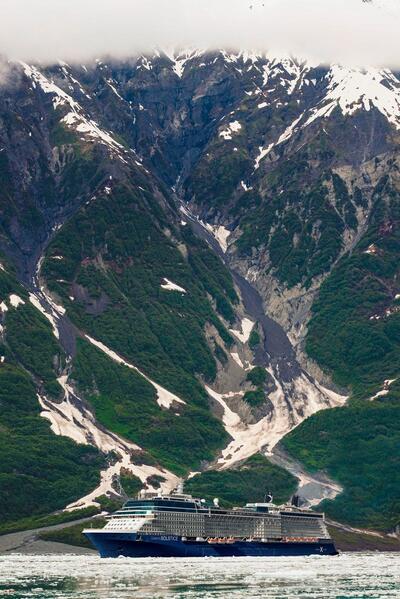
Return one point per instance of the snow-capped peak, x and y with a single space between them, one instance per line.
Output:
75 118
355 89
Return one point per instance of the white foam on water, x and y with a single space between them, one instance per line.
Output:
350 575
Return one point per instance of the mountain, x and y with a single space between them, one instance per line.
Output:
199 278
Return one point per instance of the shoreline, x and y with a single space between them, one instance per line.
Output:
32 542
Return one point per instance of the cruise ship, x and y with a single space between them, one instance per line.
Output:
178 525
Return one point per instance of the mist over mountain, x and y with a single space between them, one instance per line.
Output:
351 32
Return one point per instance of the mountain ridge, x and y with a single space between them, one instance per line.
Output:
120 152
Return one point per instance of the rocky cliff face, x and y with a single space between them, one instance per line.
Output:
208 244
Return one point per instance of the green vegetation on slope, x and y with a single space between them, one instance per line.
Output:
257 376
354 332
349 541
299 223
125 403
359 446
217 174
33 522
130 484
114 260
33 345
40 472
249 481
255 398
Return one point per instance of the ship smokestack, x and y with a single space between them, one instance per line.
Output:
269 497
296 501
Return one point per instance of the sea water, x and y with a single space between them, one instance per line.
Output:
356 576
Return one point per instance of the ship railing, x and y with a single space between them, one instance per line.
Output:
119 516
300 539
221 540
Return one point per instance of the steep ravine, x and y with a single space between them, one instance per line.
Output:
72 416
297 394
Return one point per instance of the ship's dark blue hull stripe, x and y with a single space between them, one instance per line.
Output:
127 545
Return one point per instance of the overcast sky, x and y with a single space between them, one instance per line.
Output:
348 31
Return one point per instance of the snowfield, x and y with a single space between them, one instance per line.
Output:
170 286
71 418
248 439
231 129
244 334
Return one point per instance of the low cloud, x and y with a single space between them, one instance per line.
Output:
348 31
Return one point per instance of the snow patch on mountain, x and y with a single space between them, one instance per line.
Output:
244 334
220 233
263 152
245 187
71 418
75 119
180 58
170 286
242 56
356 89
90 128
237 359
16 301
44 302
65 68
111 85
347 89
307 398
48 313
231 129
286 71
385 389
